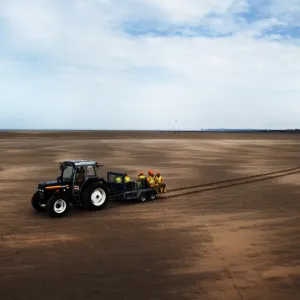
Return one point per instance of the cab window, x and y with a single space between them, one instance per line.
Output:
90 171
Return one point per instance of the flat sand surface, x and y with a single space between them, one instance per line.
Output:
240 242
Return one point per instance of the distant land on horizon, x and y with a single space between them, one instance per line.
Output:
140 130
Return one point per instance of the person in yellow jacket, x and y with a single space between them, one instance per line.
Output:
141 179
150 179
127 178
141 176
159 181
129 183
118 179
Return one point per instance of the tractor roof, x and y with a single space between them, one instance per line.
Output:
79 163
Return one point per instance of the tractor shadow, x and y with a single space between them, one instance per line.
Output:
82 212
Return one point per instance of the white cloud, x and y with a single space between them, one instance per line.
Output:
62 59
189 11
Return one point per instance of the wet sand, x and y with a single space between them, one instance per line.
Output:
240 242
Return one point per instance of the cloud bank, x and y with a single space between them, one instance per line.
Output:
149 64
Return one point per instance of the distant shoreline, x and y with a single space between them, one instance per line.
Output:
148 134
147 131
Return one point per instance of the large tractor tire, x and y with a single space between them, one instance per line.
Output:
95 196
58 206
37 204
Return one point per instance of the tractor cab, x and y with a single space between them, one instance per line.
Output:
77 172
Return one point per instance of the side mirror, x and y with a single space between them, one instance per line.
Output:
59 178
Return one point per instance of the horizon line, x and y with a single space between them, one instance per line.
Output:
157 130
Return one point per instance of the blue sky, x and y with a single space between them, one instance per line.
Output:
142 64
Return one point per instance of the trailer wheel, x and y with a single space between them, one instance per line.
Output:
36 203
152 195
143 197
58 206
95 196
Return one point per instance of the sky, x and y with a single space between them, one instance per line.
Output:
149 64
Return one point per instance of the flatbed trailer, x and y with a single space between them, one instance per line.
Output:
129 191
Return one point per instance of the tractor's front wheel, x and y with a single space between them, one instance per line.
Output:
37 202
58 206
95 196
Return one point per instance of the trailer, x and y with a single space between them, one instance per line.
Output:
131 190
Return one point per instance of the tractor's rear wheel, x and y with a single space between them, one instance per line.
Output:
95 196
58 206
37 202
